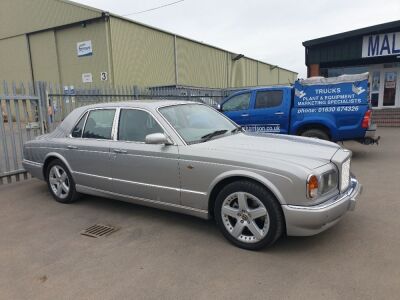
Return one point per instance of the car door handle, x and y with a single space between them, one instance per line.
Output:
244 115
279 113
72 147
120 151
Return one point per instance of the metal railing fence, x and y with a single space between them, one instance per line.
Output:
28 110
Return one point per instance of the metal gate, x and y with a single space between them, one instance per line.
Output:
21 119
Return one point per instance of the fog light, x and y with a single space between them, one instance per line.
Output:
312 186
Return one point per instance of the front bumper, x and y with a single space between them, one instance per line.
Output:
310 220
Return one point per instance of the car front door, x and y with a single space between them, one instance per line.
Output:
270 111
88 149
140 170
237 108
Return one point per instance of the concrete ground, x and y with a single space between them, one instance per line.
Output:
162 255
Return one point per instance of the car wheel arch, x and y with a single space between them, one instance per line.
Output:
320 126
232 176
52 156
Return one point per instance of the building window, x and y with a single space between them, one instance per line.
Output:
333 72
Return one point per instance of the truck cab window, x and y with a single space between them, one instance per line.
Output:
239 102
267 99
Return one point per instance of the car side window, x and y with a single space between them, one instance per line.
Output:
135 124
77 131
99 124
239 102
267 99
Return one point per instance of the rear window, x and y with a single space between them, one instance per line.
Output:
267 99
77 132
99 124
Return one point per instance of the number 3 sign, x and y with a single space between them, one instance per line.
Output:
103 76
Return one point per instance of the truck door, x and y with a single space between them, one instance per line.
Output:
270 111
237 108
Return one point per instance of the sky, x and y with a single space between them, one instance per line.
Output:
270 31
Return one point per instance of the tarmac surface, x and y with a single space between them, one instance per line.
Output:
162 255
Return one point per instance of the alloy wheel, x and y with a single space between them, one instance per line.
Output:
245 217
59 181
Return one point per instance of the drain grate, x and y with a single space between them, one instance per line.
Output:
99 230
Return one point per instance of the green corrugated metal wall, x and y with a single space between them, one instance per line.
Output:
266 75
44 56
71 66
129 52
146 57
200 65
33 15
14 59
141 56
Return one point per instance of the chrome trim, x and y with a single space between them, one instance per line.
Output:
193 192
348 159
185 160
114 130
158 204
240 168
333 201
91 175
32 163
141 183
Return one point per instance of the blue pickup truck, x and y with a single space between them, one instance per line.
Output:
335 108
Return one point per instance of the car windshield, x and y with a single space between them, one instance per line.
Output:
197 123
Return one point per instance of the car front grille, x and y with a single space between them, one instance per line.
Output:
345 175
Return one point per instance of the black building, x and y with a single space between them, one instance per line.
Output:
374 49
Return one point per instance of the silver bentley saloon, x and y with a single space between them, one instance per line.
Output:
189 158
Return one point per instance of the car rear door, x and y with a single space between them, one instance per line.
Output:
237 108
149 172
270 110
88 149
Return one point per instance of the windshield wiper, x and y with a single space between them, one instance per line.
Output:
237 129
209 136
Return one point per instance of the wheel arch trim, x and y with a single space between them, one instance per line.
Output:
58 156
245 175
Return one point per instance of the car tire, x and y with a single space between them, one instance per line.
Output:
60 182
316 133
256 223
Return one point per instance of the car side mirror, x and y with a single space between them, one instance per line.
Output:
219 107
157 139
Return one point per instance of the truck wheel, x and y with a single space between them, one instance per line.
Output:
316 133
60 182
248 215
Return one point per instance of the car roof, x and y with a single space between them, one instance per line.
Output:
260 88
266 87
150 104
